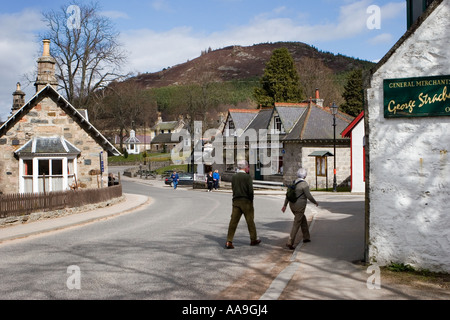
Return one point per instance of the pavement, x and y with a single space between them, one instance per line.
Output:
130 203
327 268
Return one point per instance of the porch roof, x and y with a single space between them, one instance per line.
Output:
321 154
48 146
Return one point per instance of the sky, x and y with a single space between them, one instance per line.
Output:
157 34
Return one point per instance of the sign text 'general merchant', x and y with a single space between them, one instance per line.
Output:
417 97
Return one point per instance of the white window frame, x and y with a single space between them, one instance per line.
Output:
67 177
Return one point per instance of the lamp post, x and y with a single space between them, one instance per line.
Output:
334 110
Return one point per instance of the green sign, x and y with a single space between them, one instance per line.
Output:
417 97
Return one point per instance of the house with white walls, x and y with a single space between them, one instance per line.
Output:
407 122
355 131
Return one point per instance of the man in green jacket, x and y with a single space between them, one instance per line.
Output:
242 186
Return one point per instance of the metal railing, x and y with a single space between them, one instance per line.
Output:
19 204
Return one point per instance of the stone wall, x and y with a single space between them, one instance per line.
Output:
46 119
296 157
409 184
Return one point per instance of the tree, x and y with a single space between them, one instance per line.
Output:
84 44
316 75
353 94
280 82
120 107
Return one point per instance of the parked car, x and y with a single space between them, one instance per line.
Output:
185 179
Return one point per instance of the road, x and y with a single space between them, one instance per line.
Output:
172 249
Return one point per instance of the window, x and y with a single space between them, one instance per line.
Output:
46 174
277 124
43 168
28 167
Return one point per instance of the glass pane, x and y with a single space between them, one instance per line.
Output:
70 166
44 167
28 167
57 167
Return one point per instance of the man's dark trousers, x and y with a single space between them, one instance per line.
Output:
242 206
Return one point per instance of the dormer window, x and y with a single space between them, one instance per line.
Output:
277 124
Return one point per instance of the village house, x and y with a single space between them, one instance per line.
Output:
298 135
355 131
162 139
48 145
407 121
136 142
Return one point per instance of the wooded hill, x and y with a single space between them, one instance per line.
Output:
215 81
245 63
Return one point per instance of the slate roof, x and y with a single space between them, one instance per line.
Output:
49 91
301 121
262 119
317 124
165 125
165 138
290 114
132 140
48 146
242 117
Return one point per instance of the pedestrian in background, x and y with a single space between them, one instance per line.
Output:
298 208
210 181
216 177
175 179
242 203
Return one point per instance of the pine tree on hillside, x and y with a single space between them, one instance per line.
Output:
353 94
280 82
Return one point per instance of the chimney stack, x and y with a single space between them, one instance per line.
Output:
46 51
46 69
318 101
18 99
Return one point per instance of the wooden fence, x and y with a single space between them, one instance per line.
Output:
23 204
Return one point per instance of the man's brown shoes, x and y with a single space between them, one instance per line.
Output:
229 245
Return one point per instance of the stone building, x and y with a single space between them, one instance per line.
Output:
310 144
164 136
407 121
48 145
298 135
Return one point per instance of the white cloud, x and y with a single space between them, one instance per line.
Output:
393 10
19 49
381 39
161 5
151 51
115 14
